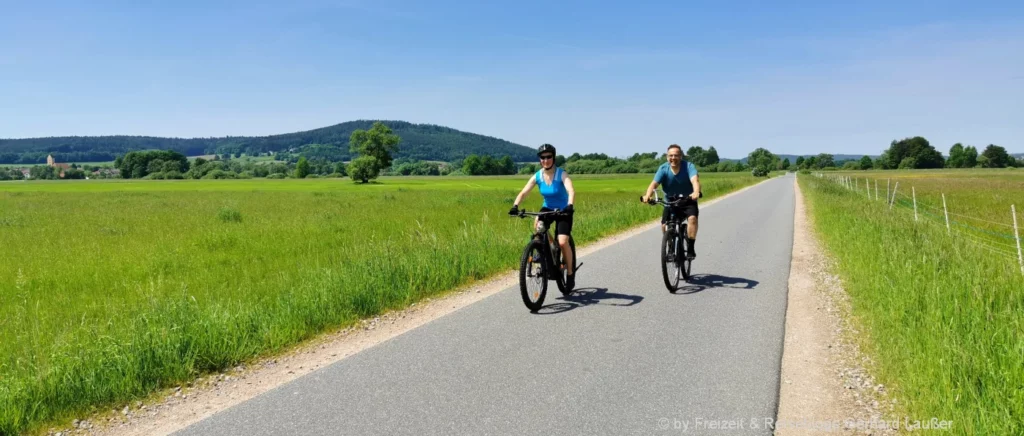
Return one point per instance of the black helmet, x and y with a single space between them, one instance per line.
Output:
546 147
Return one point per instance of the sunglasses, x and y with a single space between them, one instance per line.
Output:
546 157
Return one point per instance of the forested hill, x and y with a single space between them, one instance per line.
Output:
419 141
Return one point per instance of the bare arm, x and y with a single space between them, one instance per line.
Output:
568 187
526 190
695 180
650 190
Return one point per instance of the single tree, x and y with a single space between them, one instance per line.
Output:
302 168
379 142
996 156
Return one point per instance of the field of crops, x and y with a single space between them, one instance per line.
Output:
112 289
942 310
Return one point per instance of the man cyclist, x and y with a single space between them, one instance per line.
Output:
556 187
677 179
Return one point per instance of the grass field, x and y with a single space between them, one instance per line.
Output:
112 289
977 201
943 315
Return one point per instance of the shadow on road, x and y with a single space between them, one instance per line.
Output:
589 297
700 282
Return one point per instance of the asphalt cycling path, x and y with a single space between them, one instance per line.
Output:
621 356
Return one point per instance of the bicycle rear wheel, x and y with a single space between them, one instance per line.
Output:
533 276
670 247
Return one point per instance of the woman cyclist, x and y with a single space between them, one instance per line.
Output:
555 186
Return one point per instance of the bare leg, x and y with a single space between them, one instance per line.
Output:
563 243
691 234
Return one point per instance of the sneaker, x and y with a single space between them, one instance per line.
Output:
691 254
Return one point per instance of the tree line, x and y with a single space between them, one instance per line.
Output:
917 153
374 150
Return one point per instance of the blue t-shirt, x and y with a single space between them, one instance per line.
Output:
555 195
676 184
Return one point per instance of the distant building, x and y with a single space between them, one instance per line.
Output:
53 163
107 172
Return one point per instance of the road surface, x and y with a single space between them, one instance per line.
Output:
623 356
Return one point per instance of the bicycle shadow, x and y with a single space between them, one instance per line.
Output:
702 282
582 297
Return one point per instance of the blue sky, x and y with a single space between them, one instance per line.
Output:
794 77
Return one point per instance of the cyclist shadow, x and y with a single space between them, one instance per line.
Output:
582 297
701 282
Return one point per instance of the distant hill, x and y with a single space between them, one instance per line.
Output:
419 141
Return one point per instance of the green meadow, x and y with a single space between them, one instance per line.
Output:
112 289
941 311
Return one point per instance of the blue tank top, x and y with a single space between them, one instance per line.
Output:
555 195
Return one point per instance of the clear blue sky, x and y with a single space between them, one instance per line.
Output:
794 77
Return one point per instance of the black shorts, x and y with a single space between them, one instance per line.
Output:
563 224
683 211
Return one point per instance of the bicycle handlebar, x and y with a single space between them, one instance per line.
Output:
523 213
675 202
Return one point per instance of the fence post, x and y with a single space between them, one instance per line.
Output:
893 200
867 185
946 212
913 192
1016 235
887 194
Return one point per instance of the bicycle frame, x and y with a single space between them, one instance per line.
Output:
676 230
550 260
541 232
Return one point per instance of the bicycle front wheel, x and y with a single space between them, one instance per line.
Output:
533 276
670 248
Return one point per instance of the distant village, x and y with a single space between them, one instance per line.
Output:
63 170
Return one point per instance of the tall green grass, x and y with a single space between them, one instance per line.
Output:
944 317
112 289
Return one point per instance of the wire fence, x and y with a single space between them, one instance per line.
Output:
1002 238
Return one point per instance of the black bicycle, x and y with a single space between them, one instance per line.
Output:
675 263
542 261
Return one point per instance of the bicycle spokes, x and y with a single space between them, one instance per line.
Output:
535 275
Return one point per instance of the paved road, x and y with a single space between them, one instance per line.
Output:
623 357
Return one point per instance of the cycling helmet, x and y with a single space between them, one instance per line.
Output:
544 148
